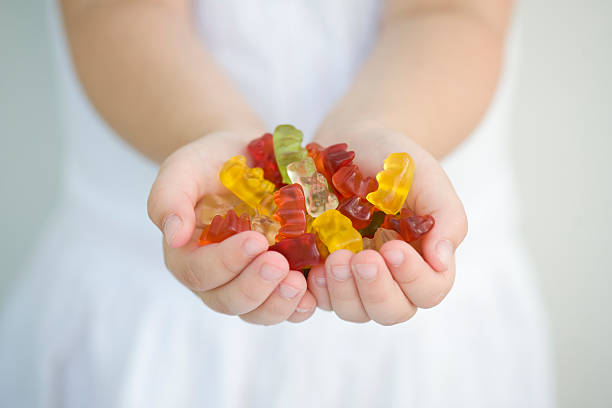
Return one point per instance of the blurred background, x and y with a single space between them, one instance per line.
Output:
563 140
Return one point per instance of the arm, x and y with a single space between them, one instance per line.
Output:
150 77
432 72
422 90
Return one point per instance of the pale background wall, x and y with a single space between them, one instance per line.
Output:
563 136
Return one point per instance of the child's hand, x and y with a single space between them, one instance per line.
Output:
387 287
237 276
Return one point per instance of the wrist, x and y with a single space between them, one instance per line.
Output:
342 130
362 133
245 130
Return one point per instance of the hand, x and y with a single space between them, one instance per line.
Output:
237 276
387 287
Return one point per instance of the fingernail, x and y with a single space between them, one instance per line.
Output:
288 292
320 280
340 272
253 247
394 257
172 225
270 273
302 310
444 251
366 271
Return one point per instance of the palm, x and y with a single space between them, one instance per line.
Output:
237 276
388 286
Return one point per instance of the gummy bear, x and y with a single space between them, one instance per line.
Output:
358 210
330 159
267 226
246 183
287 148
322 248
375 222
349 182
290 212
391 222
261 151
300 251
318 197
219 204
415 226
223 227
383 235
309 220
368 243
393 183
267 206
336 232
314 151
411 227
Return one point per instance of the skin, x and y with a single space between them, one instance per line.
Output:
387 287
423 89
230 277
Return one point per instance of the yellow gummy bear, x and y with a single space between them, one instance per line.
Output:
219 204
267 206
336 232
393 183
246 183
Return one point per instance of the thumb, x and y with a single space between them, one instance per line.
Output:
172 200
432 193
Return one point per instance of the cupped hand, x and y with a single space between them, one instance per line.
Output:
237 276
388 286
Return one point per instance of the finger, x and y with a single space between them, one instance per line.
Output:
383 299
317 284
305 308
251 287
174 195
432 193
281 303
420 283
208 267
343 294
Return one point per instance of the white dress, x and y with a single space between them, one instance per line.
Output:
97 320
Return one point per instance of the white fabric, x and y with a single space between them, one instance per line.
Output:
97 321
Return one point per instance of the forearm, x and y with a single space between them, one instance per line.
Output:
150 77
430 76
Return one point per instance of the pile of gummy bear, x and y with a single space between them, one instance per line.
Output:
309 202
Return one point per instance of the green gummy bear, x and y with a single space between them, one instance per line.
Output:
287 148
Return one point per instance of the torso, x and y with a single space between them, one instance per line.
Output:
139 338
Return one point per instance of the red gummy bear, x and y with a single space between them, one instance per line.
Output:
336 156
261 151
314 151
358 209
349 182
330 159
415 226
411 227
290 211
300 251
222 227
391 222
